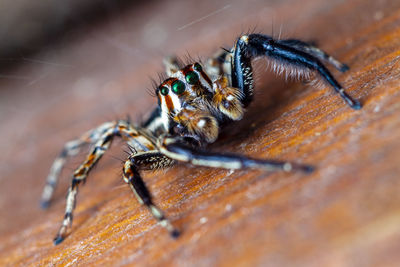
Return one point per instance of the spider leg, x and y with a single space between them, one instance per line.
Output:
316 52
217 65
120 128
79 176
70 149
148 160
252 46
174 148
171 65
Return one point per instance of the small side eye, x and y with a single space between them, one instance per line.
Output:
192 77
164 90
178 87
197 67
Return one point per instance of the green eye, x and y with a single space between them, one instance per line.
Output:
178 87
192 77
197 67
164 90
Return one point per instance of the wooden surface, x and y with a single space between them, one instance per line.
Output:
347 213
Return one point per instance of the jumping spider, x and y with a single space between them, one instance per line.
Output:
193 103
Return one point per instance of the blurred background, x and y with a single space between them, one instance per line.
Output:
28 27
67 66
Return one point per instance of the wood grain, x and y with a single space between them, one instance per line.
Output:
347 213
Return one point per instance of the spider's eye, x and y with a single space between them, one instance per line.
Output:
197 67
192 77
178 87
164 90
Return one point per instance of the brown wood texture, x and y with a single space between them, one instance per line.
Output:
346 213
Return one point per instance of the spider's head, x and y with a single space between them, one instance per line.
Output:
185 86
184 99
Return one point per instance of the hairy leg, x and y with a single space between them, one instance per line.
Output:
70 149
149 160
119 128
315 51
176 149
284 55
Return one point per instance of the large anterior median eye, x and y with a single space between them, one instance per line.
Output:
192 77
178 87
164 90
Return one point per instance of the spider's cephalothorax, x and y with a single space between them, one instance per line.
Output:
193 103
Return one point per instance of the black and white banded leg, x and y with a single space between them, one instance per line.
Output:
119 128
149 160
79 176
70 149
179 151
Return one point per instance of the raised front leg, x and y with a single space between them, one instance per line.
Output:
285 55
171 65
316 52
